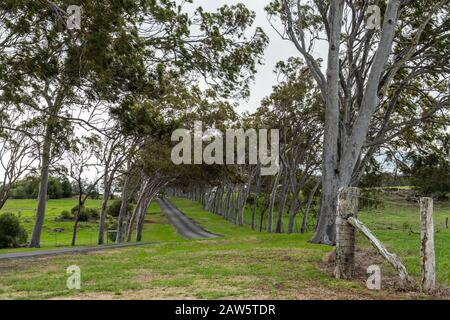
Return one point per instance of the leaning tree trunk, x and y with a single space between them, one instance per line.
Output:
293 209
237 206
282 204
149 195
135 213
102 226
273 196
42 197
244 193
3 196
123 210
255 201
308 206
141 218
136 210
77 215
227 201
219 200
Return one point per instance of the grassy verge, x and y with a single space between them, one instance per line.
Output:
156 226
397 225
241 264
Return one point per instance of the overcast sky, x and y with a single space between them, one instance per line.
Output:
277 50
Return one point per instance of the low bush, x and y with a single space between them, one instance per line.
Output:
94 214
12 234
86 214
114 208
64 216
111 225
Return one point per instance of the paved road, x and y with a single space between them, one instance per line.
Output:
187 228
52 252
184 226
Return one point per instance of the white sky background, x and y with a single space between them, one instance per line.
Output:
277 50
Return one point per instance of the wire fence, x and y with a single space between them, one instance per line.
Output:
399 213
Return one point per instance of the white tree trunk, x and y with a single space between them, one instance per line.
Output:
273 196
42 197
106 193
338 167
325 231
123 209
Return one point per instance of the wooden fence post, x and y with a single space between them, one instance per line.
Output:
446 223
345 233
427 245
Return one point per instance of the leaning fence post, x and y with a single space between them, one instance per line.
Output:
427 245
345 233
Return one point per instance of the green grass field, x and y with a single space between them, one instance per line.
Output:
156 227
398 227
241 264
396 224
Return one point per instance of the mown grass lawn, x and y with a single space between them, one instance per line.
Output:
241 264
154 229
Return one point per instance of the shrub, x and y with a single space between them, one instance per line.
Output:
111 225
74 210
12 234
83 215
114 208
430 174
94 214
64 216
251 198
112 235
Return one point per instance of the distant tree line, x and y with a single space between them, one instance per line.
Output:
59 187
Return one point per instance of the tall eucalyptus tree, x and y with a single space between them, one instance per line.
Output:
371 72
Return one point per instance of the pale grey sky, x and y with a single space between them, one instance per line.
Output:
277 50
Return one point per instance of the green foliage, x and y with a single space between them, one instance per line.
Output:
85 214
65 216
66 188
372 176
54 189
28 188
12 234
251 198
87 232
430 174
112 225
74 210
94 194
93 213
114 208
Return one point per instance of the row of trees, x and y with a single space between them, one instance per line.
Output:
28 188
103 101
380 83
104 97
